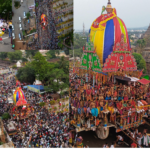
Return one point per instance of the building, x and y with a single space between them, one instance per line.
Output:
63 13
18 64
146 51
146 36
146 56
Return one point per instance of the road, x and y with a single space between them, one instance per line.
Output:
6 47
47 38
90 138
15 21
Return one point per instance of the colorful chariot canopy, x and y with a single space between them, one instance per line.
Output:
106 31
43 17
120 59
19 97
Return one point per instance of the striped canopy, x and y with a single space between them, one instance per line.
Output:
19 97
105 32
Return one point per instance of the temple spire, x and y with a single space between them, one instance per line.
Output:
109 8
109 2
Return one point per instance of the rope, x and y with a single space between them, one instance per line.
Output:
146 122
131 138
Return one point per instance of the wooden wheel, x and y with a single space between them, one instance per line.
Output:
102 132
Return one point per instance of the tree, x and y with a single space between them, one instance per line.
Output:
63 64
28 15
40 66
3 55
17 4
67 52
6 115
15 56
24 59
31 53
26 74
141 43
141 64
52 54
54 79
6 9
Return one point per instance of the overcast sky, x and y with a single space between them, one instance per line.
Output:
135 13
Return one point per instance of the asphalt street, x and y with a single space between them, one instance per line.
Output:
15 20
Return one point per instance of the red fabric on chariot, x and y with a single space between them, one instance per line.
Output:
144 81
21 102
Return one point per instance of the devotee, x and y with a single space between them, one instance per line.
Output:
40 128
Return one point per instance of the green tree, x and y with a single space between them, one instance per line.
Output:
52 54
24 59
63 64
3 55
141 64
26 74
5 116
28 15
6 9
14 56
17 4
31 53
67 52
55 78
141 43
40 66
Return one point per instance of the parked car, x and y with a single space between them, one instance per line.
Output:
20 19
21 1
20 36
13 35
24 14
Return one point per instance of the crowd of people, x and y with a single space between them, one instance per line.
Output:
139 139
48 37
6 26
42 128
90 99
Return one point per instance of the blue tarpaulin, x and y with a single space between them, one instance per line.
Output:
36 88
25 87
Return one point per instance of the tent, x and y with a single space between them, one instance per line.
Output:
36 88
133 79
144 81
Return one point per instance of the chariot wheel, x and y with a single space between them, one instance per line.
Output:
102 132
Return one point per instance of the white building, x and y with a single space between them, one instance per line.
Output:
18 64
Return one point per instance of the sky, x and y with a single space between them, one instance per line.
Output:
134 13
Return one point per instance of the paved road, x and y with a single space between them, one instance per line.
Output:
90 138
6 47
15 21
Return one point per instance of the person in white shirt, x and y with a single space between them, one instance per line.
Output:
119 139
139 139
112 145
145 140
